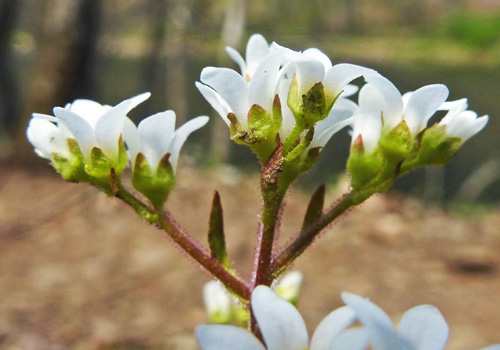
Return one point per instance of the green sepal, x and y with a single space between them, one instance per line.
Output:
72 169
294 99
157 186
301 145
260 134
308 108
435 148
363 167
216 237
314 105
100 165
315 207
397 144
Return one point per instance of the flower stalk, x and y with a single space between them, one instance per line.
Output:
199 254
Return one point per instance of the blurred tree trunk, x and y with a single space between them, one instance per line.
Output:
154 68
353 19
176 75
232 32
9 94
66 35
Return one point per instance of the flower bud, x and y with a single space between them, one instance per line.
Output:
289 286
218 303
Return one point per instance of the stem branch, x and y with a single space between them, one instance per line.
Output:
200 255
307 235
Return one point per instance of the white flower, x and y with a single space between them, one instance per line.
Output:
421 328
289 286
48 138
218 302
381 107
257 49
156 136
460 122
341 115
310 68
88 122
283 328
228 92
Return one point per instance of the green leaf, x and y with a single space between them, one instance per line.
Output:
216 237
315 207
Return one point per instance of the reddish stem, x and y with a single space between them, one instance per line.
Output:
196 251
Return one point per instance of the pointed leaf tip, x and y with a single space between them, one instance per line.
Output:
315 207
216 237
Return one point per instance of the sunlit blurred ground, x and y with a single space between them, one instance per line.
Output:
81 271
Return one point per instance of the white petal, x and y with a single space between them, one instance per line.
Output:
377 323
236 57
181 135
422 104
320 56
425 327
136 100
109 127
132 139
215 101
257 49
449 105
340 75
390 97
224 337
352 339
262 87
156 133
89 110
492 347
349 90
231 87
44 116
281 325
80 128
331 327
47 138
309 72
465 124
288 121
339 117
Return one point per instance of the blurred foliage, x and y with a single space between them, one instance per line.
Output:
475 29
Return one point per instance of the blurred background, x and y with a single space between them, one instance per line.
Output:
77 272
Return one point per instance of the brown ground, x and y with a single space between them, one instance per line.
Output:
81 271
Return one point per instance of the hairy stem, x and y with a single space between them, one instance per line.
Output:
196 251
140 208
267 225
309 233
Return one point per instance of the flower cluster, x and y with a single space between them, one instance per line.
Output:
300 99
282 328
86 141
